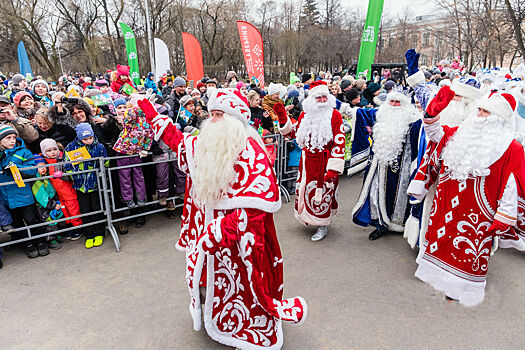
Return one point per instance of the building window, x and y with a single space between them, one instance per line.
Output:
424 60
425 40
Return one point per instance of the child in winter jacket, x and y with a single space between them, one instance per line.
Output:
86 184
135 139
48 206
62 185
19 200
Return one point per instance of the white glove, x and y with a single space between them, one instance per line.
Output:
143 154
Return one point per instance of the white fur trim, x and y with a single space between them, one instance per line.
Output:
354 170
468 293
392 226
417 189
425 218
251 203
318 91
336 164
287 128
366 187
416 78
465 90
516 244
225 100
411 233
497 104
397 96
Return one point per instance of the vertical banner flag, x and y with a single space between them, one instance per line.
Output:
252 48
162 58
367 51
23 60
131 50
193 57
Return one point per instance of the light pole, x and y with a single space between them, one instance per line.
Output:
150 43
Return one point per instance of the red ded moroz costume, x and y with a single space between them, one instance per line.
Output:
316 193
467 215
232 248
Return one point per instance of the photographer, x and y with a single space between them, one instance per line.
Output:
22 126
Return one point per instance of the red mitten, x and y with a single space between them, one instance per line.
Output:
499 227
440 102
230 229
221 232
330 176
149 111
280 111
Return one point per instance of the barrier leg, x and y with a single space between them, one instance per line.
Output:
107 206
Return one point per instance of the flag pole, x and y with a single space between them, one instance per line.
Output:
150 42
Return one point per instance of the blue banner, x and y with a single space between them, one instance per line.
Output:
23 60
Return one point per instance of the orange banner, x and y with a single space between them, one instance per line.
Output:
193 57
252 49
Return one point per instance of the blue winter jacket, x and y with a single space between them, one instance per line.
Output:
87 182
5 216
294 155
150 84
15 196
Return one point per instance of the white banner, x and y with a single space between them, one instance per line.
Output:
162 58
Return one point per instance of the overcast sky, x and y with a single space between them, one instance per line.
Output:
418 7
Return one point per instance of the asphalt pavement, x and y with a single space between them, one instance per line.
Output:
361 294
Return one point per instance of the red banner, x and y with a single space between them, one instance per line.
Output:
193 57
252 48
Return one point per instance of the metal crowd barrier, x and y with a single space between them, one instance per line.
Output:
108 194
104 204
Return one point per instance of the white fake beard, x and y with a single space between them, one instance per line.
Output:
475 146
456 112
389 131
216 152
315 130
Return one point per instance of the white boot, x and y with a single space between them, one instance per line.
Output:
320 233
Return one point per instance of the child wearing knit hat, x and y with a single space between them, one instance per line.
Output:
19 200
86 184
48 207
62 184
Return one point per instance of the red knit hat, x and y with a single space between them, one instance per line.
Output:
122 70
20 96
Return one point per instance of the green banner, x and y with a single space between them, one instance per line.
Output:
367 51
131 50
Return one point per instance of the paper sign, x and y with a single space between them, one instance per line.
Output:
128 89
78 154
184 114
102 99
16 175
72 93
